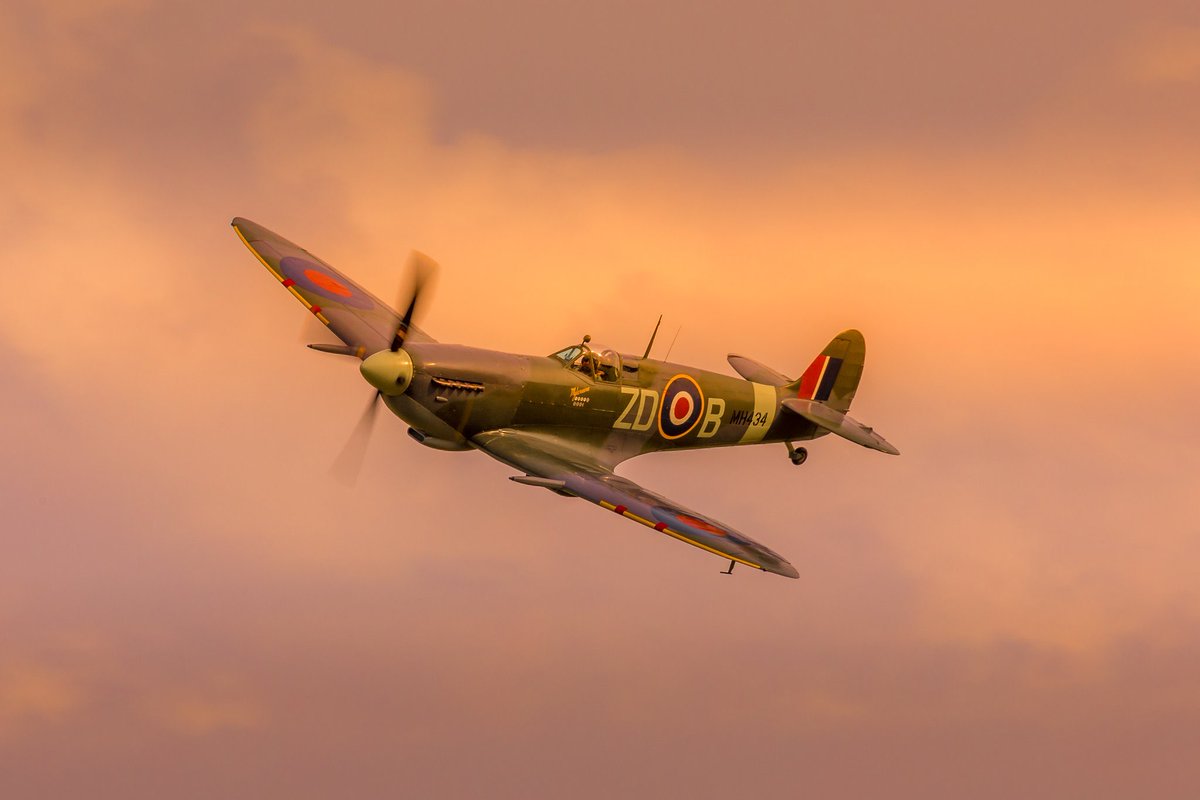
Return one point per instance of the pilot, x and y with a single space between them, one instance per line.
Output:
605 370
589 363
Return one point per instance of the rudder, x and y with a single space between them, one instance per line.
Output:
832 378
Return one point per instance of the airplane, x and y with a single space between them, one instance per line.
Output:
565 421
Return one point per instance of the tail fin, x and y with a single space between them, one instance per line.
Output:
832 378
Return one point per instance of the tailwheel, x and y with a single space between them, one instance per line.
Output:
798 455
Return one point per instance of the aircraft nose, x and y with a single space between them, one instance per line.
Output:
388 372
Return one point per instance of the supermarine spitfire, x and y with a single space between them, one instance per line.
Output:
566 420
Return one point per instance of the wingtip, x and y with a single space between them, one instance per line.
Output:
242 224
787 570
252 231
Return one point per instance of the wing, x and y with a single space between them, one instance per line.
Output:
550 462
354 315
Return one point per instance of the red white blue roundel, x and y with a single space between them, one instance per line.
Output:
316 279
682 407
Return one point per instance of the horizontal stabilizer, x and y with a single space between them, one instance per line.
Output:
752 370
835 421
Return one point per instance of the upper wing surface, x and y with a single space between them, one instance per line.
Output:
567 469
354 315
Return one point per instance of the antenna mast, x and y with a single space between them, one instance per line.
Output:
651 342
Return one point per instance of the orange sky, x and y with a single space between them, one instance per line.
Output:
1003 200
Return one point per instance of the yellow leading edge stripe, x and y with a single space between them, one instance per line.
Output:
279 277
679 536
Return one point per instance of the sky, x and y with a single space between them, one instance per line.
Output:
1004 199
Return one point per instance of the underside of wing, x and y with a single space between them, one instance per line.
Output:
560 466
354 315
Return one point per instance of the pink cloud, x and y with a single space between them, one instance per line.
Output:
1017 584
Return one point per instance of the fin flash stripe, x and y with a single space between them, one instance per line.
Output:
817 381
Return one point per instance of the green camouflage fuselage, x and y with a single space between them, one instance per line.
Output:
457 392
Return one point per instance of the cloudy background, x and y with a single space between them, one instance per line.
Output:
1005 200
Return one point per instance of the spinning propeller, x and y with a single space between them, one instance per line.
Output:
389 371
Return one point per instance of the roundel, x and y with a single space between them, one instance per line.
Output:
702 524
318 280
711 527
682 406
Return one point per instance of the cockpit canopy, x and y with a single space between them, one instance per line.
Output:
597 362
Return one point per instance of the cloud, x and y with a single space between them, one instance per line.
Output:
1018 580
967 270
1166 56
34 693
206 713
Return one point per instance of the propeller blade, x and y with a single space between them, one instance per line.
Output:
349 462
421 268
